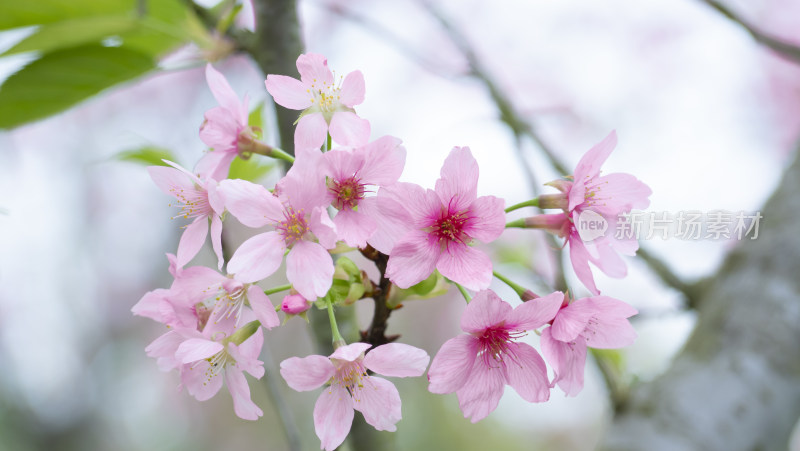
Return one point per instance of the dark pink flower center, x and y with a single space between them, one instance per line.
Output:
294 227
493 345
346 193
449 227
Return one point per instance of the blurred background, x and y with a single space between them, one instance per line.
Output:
705 115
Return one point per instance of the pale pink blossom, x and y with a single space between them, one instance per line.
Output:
198 200
301 222
596 322
222 127
351 176
435 228
352 388
209 357
606 195
327 104
478 365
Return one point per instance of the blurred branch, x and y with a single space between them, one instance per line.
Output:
383 33
618 390
284 413
376 334
789 51
670 279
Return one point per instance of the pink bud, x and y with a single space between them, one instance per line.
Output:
294 304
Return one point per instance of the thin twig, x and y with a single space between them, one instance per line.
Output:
376 334
790 51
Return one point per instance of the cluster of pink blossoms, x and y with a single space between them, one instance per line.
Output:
349 195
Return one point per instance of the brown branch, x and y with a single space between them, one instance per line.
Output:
376 334
787 50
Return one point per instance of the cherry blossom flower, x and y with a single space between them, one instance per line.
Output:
298 214
222 128
439 226
597 322
478 365
350 176
198 200
352 388
212 355
603 197
327 106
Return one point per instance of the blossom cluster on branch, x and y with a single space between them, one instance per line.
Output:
342 191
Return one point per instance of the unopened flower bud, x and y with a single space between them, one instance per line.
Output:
295 304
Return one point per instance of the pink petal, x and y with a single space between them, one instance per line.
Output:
313 69
352 91
246 354
262 307
423 205
195 377
579 256
397 360
311 132
392 221
567 359
307 373
170 180
216 239
589 166
193 238
609 261
459 179
250 203
153 305
412 260
341 164
350 352
215 164
304 185
289 92
379 402
220 130
466 265
487 219
354 227
195 349
451 366
163 350
244 407
536 312
333 416
527 372
482 392
323 227
610 328
309 267
224 94
257 257
620 192
484 311
572 319
384 160
347 129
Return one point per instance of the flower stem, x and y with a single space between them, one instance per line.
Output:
515 286
528 203
337 337
518 223
329 142
250 145
278 289
463 291
244 332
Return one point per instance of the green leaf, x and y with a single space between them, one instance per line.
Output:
64 77
74 32
146 155
21 13
256 117
251 169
